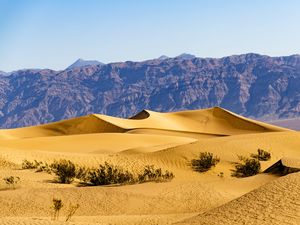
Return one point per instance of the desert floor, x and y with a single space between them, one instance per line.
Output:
166 140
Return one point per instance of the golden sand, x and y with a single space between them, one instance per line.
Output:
166 140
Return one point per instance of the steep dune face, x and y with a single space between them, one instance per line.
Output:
277 202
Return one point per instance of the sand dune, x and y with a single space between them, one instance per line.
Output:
167 140
216 121
97 143
277 202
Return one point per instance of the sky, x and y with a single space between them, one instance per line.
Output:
55 33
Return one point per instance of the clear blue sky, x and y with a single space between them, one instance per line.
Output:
54 33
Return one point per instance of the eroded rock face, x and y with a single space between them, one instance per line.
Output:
252 85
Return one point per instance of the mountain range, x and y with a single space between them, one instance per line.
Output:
253 85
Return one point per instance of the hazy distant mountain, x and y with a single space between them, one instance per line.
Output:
3 73
163 57
185 56
252 85
80 63
293 123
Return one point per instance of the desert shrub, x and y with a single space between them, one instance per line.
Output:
65 171
152 174
39 166
205 161
247 167
57 205
26 164
11 181
109 174
5 163
262 155
82 173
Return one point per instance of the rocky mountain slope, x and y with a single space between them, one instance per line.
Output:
251 85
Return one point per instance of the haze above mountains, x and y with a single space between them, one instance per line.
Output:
252 85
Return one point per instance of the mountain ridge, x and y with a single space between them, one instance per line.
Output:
252 85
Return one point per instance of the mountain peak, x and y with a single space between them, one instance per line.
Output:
185 56
163 57
81 63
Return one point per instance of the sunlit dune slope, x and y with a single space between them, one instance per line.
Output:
213 121
277 202
81 125
96 143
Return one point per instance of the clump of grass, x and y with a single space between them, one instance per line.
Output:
154 174
262 155
205 161
246 167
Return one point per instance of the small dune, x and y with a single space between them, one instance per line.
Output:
277 202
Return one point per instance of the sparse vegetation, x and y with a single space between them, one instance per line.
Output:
65 171
57 205
247 167
109 174
11 181
205 161
106 174
26 164
71 211
82 173
39 166
154 174
262 155
221 174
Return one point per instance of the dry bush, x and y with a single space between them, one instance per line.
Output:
71 211
262 155
205 161
154 174
39 166
11 181
108 174
65 171
57 205
247 167
5 163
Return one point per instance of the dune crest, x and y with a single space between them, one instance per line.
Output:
214 121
